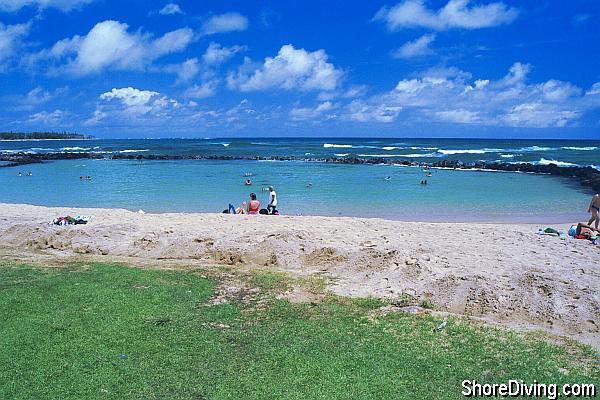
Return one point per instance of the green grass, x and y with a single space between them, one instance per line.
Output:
112 332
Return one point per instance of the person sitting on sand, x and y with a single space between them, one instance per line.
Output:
253 205
242 209
586 231
594 208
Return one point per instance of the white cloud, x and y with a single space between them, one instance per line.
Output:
415 48
96 118
48 118
290 69
170 9
63 5
10 40
109 45
455 14
304 113
458 116
216 54
138 102
363 112
457 98
185 71
204 90
594 90
228 22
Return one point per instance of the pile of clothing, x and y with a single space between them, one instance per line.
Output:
69 220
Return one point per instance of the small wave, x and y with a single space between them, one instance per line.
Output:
380 155
221 144
423 148
470 151
590 148
75 148
535 148
341 146
341 154
418 155
24 151
543 161
132 151
449 152
391 148
507 155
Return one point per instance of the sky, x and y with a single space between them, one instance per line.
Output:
409 68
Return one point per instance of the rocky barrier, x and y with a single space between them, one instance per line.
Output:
586 176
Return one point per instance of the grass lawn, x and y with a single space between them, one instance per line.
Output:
113 332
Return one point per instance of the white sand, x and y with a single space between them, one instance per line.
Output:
503 273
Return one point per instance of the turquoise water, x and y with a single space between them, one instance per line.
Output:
347 190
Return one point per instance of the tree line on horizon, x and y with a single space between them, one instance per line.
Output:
42 135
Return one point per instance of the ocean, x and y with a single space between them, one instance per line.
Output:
309 187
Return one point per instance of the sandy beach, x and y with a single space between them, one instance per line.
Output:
501 273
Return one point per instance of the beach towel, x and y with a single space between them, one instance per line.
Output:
69 220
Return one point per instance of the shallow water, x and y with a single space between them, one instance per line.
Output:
346 190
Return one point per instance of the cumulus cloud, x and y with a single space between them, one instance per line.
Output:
185 71
204 90
415 48
228 22
170 9
109 45
138 102
369 112
290 69
10 40
48 118
455 97
455 14
303 113
63 5
216 54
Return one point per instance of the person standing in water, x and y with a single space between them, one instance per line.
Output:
272 200
594 208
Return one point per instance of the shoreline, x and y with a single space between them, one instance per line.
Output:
505 274
458 219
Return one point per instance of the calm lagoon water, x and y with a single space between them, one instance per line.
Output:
345 190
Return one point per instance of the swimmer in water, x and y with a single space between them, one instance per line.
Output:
388 178
309 186
248 182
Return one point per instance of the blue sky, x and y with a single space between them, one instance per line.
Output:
416 68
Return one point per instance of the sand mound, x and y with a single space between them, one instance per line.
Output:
503 273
